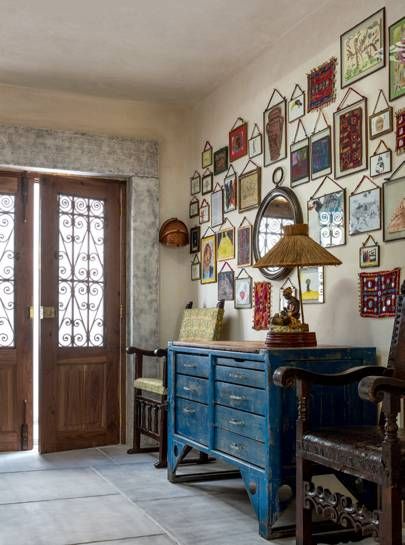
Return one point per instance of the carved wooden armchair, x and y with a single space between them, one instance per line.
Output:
150 394
374 453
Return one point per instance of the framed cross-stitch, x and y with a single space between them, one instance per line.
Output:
312 285
207 182
195 269
208 260
206 155
362 49
365 208
394 205
378 293
250 188
244 236
195 239
195 183
238 140
296 104
226 281
321 153
243 290
275 129
230 190
299 157
194 208
255 142
381 120
369 253
321 85
381 160
396 34
350 136
217 206
327 216
221 160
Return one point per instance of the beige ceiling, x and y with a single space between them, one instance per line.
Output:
160 50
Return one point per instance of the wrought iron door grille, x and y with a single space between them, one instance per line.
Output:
81 271
7 271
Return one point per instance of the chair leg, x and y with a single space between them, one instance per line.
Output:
391 524
303 516
136 443
162 462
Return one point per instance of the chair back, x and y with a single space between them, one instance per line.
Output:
396 358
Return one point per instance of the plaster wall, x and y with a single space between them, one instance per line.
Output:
303 47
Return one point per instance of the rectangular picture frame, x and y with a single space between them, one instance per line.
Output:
230 193
220 160
195 183
217 208
369 256
380 123
195 234
327 218
365 211
299 162
396 59
238 138
249 189
380 163
275 133
207 183
226 244
243 292
244 246
194 208
312 282
394 209
255 146
320 144
208 260
195 269
226 285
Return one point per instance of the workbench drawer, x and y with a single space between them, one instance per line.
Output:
240 397
191 364
240 447
191 420
246 377
240 422
192 388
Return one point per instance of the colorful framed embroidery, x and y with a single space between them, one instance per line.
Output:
255 142
312 285
396 34
327 216
206 155
296 104
275 129
369 253
238 140
364 208
350 136
195 233
381 160
230 190
362 49
378 293
320 144
226 243
380 121
195 183
243 290
226 283
208 259
221 160
299 157
400 132
244 235
262 305
394 205
321 85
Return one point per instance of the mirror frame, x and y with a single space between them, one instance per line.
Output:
291 197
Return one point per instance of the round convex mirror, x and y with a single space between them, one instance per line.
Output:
280 207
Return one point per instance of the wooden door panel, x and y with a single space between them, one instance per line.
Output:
82 346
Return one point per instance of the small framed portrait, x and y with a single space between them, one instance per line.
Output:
244 255
275 130
195 183
312 284
380 123
206 155
221 160
394 208
365 211
238 142
321 153
217 208
230 193
255 142
207 182
250 189
208 260
396 59
194 208
195 239
195 269
296 104
204 212
226 244
299 162
369 256
226 285
243 292
381 160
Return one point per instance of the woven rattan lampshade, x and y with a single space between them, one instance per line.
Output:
296 248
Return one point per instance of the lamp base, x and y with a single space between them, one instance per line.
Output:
290 339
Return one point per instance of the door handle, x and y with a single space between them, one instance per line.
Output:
45 313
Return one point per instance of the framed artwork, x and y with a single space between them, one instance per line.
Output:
244 254
396 34
238 140
312 285
195 269
208 260
250 189
226 284
195 183
321 85
204 212
195 233
262 302
221 160
380 121
226 244
365 209
378 293
243 291
299 158
394 206
327 218
255 142
381 160
296 104
206 155
207 182
350 136
369 253
217 207
362 49
194 208
275 129
321 153
400 132
230 193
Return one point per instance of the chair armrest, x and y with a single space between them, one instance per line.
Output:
139 351
286 376
373 388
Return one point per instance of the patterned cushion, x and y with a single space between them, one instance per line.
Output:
154 385
201 324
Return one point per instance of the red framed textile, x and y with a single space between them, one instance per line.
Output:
262 305
321 85
378 293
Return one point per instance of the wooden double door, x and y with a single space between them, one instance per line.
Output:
81 270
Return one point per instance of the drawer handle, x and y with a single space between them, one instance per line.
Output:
235 422
235 446
187 410
190 365
237 398
236 375
190 389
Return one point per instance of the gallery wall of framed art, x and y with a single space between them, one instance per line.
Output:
315 112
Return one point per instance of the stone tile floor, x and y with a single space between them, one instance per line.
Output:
103 496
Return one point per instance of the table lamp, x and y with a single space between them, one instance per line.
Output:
294 249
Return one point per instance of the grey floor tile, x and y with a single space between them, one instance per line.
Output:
52 484
149 540
118 454
63 522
